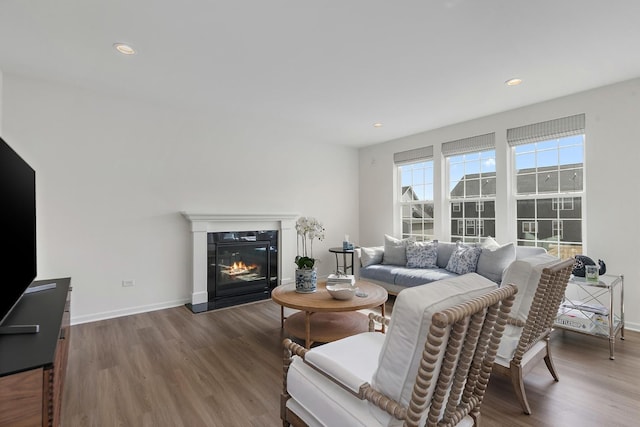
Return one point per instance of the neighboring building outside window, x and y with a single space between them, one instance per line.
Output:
549 190
558 228
529 227
416 199
472 194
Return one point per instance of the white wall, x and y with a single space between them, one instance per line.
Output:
114 173
612 168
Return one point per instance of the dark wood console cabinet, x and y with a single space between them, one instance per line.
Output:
33 366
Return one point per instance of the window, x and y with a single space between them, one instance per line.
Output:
544 205
416 199
549 192
562 204
475 227
529 227
557 226
472 192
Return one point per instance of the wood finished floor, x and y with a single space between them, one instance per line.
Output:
224 368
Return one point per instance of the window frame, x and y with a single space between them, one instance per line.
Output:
562 201
457 204
411 204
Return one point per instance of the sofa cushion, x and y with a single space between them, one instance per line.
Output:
372 255
412 312
422 254
410 277
380 273
403 276
445 249
493 262
464 259
395 250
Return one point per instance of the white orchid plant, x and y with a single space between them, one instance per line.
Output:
308 229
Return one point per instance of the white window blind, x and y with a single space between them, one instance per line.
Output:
469 145
558 128
423 153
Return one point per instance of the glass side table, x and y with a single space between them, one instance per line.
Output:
594 308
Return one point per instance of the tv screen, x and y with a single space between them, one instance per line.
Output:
18 225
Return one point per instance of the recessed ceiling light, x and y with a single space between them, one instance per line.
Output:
124 49
377 125
513 82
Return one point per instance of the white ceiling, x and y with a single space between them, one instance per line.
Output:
325 71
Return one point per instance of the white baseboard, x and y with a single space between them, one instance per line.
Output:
77 320
632 326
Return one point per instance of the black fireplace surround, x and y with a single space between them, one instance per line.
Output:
242 266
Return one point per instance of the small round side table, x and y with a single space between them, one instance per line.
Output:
344 252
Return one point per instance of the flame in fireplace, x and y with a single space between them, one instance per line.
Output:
240 267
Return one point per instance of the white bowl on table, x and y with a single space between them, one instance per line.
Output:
342 291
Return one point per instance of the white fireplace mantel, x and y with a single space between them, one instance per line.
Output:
201 224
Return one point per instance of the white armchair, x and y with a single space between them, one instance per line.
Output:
433 363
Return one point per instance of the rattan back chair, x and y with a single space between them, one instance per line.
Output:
533 344
456 364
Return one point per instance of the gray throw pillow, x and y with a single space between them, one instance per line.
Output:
395 250
464 259
445 249
370 256
422 254
492 263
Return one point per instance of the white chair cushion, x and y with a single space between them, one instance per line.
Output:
525 274
304 415
352 360
407 333
325 402
319 401
537 347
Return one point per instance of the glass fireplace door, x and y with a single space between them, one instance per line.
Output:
241 267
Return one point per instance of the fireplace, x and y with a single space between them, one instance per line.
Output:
242 266
203 224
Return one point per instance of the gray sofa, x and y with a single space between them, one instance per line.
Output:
395 275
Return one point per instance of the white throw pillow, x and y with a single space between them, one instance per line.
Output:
493 262
395 250
372 255
489 243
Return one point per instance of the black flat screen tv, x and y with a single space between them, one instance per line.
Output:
18 227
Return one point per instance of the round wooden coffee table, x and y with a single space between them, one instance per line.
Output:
323 318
